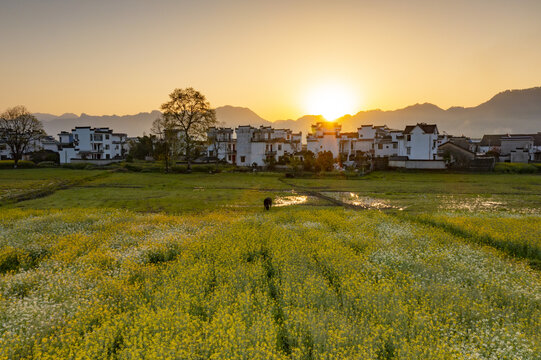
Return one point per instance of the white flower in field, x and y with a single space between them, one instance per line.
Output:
311 224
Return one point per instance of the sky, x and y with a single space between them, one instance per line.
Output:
279 58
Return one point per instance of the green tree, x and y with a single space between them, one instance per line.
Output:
18 128
308 160
167 146
190 114
270 162
324 161
142 147
363 160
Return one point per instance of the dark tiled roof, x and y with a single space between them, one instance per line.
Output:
452 144
427 128
461 142
496 140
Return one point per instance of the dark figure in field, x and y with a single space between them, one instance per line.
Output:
267 203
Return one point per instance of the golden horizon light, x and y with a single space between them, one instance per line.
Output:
331 100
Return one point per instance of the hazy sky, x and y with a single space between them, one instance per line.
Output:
123 57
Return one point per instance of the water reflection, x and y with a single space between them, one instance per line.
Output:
290 200
360 201
470 204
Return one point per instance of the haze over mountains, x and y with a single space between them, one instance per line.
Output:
511 111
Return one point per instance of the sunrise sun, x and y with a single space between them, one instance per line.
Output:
331 101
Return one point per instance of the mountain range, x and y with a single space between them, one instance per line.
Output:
511 111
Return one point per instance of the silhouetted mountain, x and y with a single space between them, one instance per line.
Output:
45 117
48 117
517 111
234 116
301 124
133 125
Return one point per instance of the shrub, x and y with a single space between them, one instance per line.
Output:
75 166
179 169
45 155
515 168
47 164
22 164
324 161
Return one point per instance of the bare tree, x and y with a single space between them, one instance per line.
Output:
18 128
192 116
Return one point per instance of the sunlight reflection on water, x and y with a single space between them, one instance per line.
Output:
360 201
290 200
470 204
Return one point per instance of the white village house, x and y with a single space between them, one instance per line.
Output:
416 146
325 136
222 144
95 145
252 146
420 142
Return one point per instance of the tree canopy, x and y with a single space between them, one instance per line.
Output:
18 128
189 113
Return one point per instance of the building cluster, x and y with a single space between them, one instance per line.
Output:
418 142
515 148
252 146
419 146
82 144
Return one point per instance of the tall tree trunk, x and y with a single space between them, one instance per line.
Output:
188 150
167 157
15 159
188 156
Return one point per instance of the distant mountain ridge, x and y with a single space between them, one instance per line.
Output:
517 111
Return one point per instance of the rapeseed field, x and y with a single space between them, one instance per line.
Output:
293 283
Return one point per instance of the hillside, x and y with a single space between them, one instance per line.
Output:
516 111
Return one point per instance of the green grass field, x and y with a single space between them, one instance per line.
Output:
114 265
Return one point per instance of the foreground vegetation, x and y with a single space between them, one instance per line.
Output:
143 265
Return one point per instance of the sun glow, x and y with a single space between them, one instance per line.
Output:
331 101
